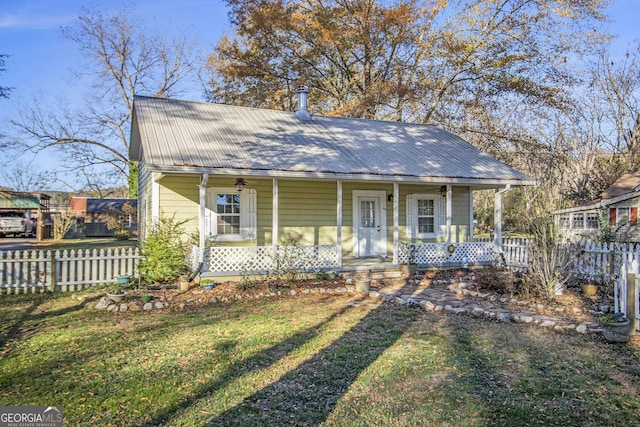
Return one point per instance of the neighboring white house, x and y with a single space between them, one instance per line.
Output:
616 209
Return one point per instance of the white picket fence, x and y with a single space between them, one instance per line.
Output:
590 260
32 271
69 270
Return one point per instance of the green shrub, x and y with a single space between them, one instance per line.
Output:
163 253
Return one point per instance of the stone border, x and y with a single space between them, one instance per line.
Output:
469 307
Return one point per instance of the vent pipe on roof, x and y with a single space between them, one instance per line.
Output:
302 113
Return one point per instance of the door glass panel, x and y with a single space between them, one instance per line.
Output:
367 214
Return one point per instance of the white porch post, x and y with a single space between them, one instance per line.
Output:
449 210
497 218
274 223
471 215
339 223
396 222
202 193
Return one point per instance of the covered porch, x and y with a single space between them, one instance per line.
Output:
360 249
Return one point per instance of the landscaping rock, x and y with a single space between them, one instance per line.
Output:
582 329
477 311
103 303
124 307
523 317
547 324
159 305
147 306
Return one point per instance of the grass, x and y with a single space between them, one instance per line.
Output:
313 360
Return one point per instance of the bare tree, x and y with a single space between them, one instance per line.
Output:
616 86
4 90
20 177
123 60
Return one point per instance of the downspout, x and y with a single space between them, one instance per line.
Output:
202 213
497 219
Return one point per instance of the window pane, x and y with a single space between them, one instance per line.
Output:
228 224
425 207
367 214
623 216
425 225
578 220
593 220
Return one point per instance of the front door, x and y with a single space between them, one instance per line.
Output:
369 224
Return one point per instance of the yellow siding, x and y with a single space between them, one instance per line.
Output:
179 195
460 215
307 212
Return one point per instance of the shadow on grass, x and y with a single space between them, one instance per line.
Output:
307 394
262 360
13 328
514 376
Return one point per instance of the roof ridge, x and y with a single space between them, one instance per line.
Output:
319 115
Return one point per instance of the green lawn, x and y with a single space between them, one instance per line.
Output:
313 360
84 243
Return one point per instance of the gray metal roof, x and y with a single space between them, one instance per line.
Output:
186 135
109 205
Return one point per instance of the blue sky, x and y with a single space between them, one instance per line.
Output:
41 60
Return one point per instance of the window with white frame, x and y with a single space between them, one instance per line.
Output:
228 210
593 221
425 216
564 222
230 215
622 216
578 221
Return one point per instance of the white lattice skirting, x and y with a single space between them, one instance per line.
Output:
263 258
443 254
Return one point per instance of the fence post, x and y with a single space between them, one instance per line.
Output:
52 271
632 302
